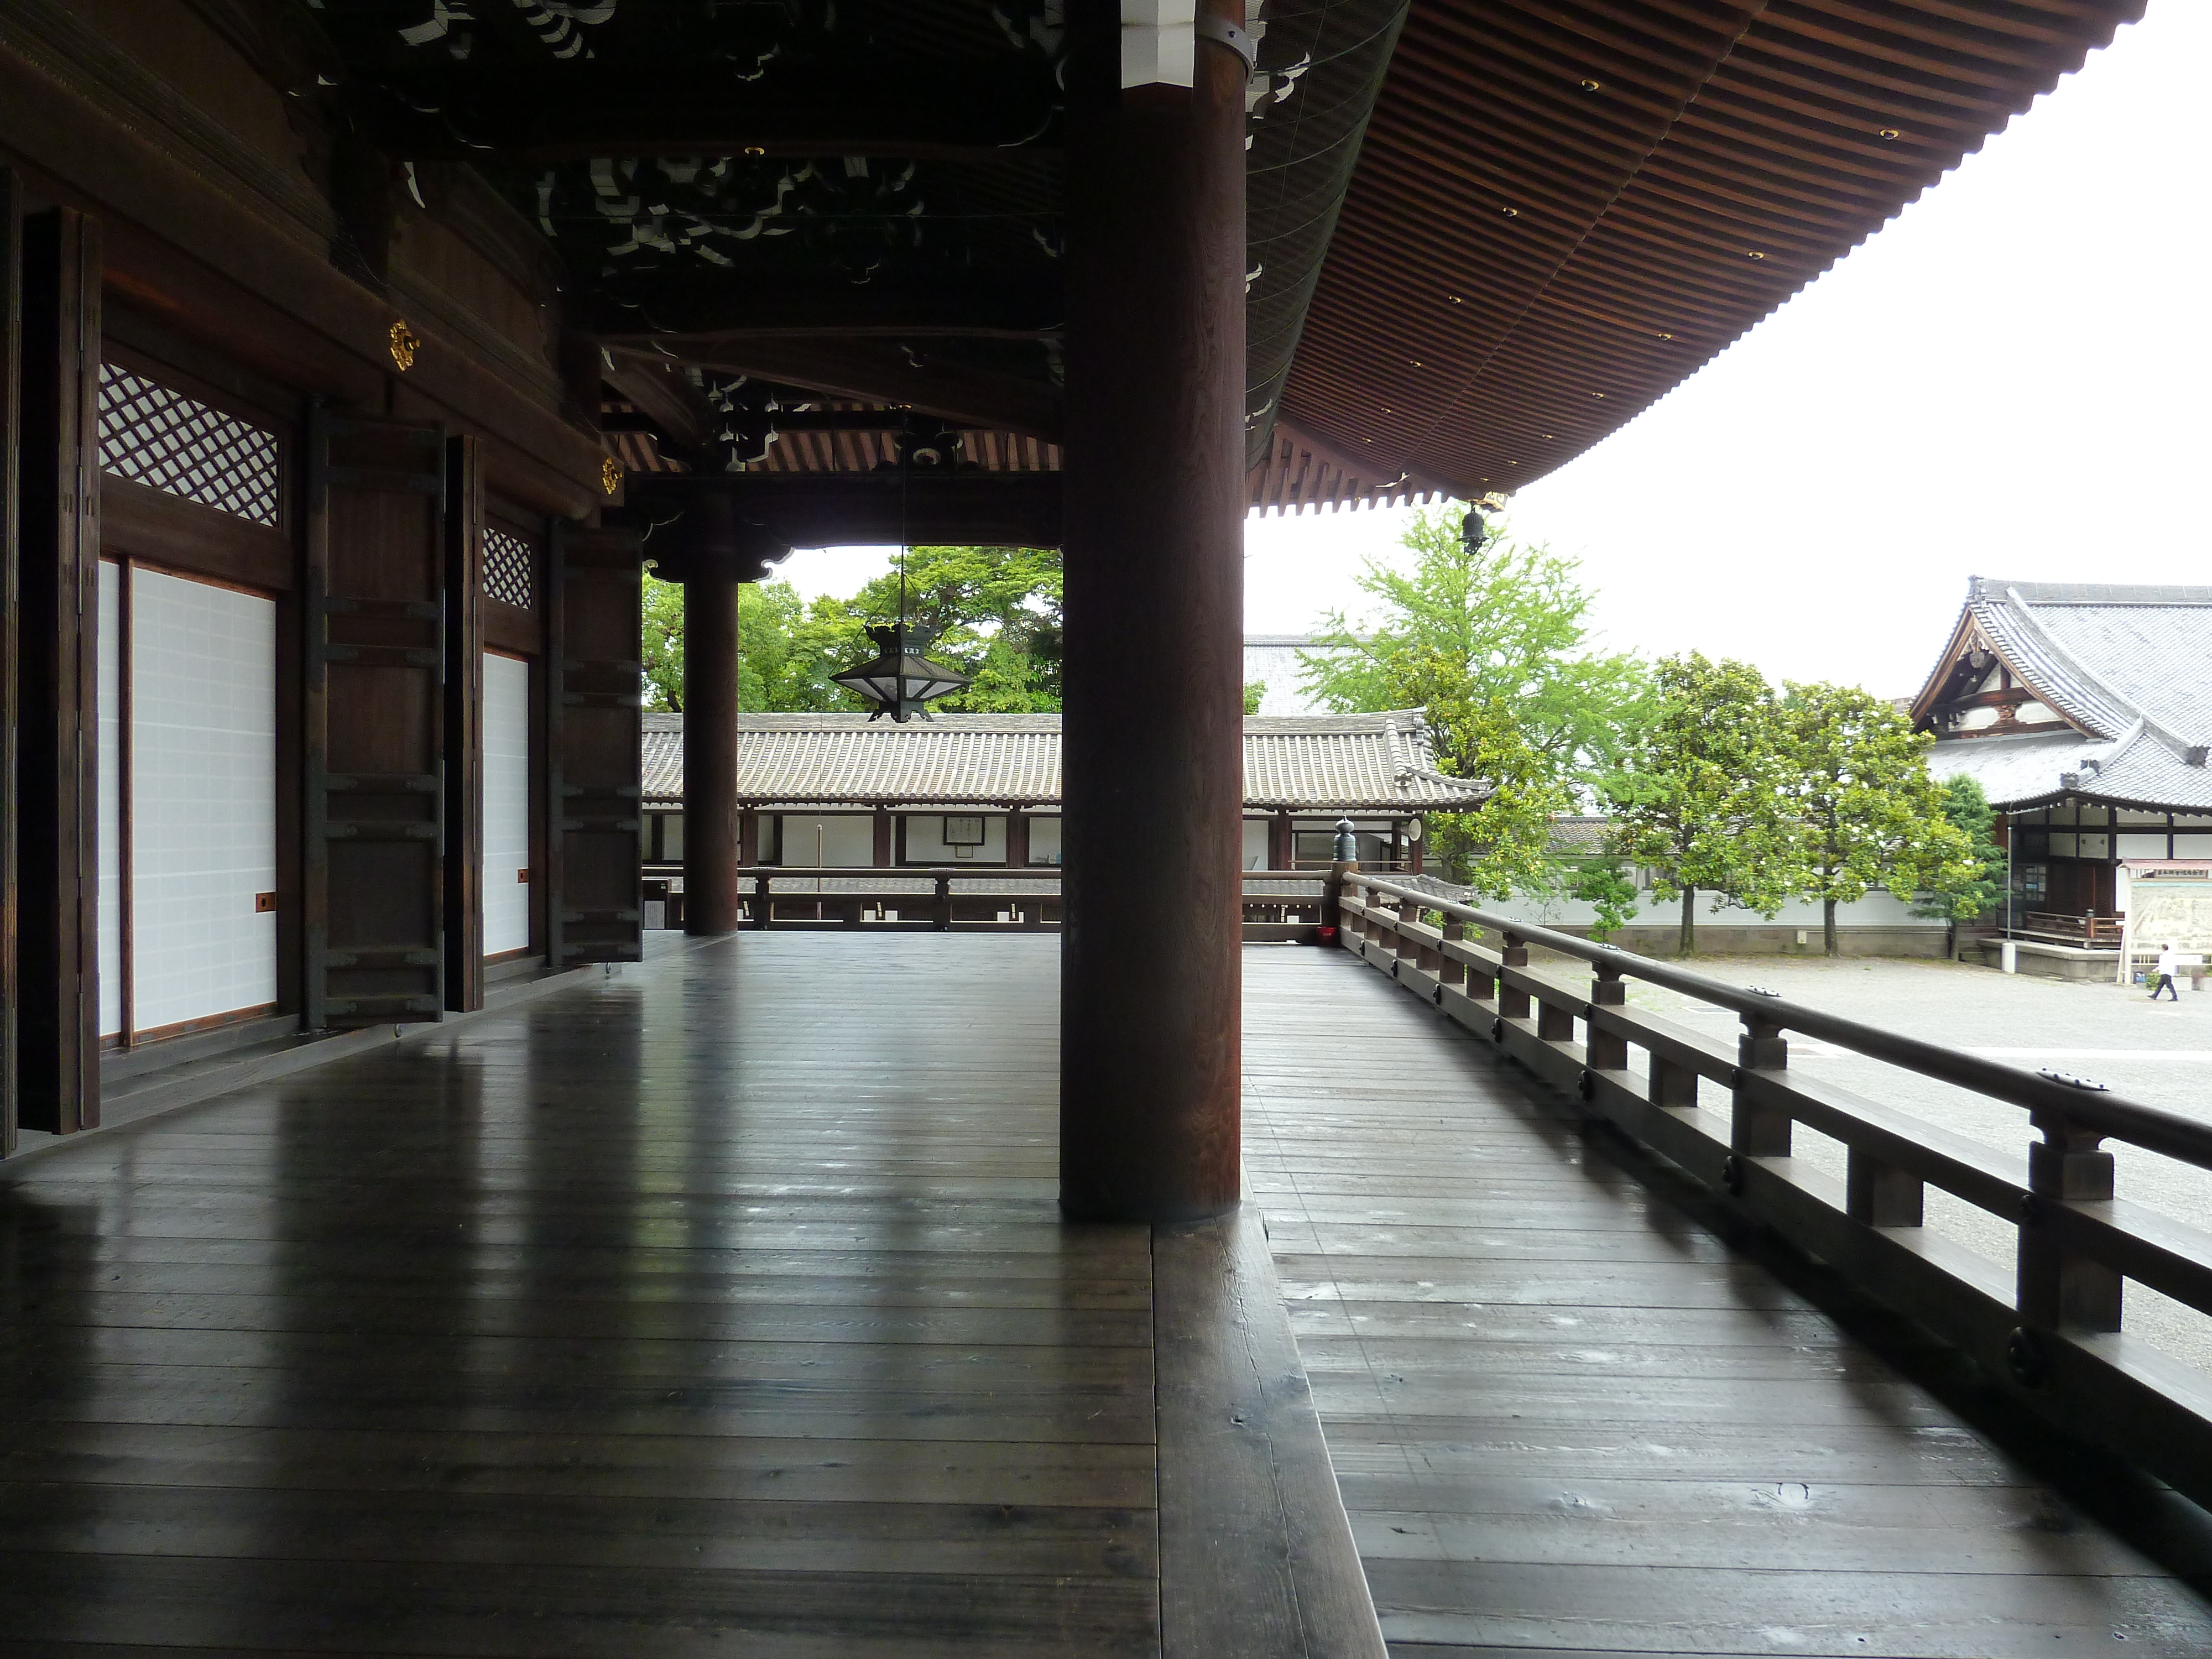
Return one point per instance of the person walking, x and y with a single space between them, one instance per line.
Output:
2169 966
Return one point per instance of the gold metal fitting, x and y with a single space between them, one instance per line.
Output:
405 343
611 474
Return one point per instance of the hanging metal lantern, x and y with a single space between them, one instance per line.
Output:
902 680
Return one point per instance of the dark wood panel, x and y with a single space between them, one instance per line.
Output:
375 731
183 535
594 796
58 673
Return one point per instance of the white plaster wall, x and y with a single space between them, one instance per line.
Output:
926 844
204 799
830 841
1044 841
506 803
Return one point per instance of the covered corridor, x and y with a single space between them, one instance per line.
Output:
723 1305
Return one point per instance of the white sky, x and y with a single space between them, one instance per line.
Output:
2014 379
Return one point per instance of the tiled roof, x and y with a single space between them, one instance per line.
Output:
2129 664
1320 762
1272 659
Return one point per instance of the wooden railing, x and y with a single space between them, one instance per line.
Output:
2091 932
1279 905
2049 1329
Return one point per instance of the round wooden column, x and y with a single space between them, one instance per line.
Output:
710 745
1152 759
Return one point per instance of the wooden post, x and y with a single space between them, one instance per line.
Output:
2059 1289
463 768
1606 1051
1151 965
1512 1003
710 744
1018 839
57 669
1450 970
883 854
11 326
1282 843
1760 1131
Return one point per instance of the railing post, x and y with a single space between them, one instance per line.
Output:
1672 1083
1409 911
1756 1131
1555 1021
1882 1195
1450 970
1608 1051
2059 1289
1512 1002
943 913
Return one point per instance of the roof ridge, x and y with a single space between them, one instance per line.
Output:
2184 594
2020 614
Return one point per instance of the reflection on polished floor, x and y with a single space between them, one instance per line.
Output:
1567 1418
722 1307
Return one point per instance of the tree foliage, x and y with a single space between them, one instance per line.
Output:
1493 642
998 608
1976 885
1864 810
1697 798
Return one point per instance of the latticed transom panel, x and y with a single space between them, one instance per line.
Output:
506 568
152 435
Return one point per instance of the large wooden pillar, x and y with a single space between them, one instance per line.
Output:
710 745
1151 973
58 666
11 325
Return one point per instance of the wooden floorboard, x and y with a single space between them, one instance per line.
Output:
721 1307
1567 1420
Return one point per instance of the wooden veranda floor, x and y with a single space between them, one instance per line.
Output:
1568 1420
722 1307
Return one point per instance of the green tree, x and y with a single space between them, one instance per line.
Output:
1493 640
1976 885
1610 890
999 608
1866 813
1697 799
997 614
1255 692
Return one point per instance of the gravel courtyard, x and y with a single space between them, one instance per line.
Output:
2159 1053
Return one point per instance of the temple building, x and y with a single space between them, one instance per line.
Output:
839 791
2084 710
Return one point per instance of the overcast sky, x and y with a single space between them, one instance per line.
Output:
2009 380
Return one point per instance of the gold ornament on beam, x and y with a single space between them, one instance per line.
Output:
611 475
405 343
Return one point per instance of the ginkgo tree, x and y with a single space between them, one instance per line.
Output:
1493 639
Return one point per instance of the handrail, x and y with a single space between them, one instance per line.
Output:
2047 1326
2153 1127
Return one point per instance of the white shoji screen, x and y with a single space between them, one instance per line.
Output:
111 797
506 803
204 799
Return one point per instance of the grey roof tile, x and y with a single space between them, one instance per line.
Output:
1323 763
2128 664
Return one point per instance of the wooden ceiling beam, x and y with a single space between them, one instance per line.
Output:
872 373
660 393
722 305
995 509
918 111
